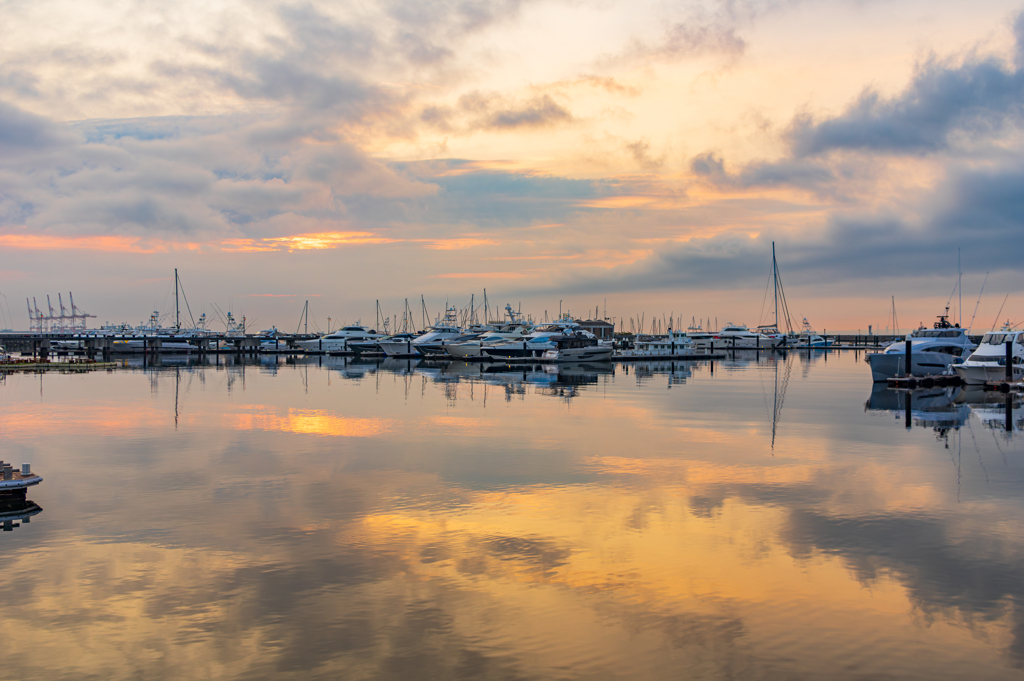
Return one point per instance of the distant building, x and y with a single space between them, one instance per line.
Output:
599 328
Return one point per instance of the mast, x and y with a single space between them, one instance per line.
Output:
177 311
775 276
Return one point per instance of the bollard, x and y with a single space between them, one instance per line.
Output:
26 469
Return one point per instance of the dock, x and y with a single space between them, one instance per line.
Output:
912 382
63 367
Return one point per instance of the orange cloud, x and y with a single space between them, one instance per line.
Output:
114 244
304 242
458 243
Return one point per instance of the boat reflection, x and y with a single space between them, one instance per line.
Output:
935 408
942 408
15 509
994 409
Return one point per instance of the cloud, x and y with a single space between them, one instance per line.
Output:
641 152
690 39
477 111
22 132
977 97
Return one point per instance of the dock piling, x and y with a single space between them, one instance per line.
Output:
1009 361
907 365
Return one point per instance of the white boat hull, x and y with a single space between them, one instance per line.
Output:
398 348
593 353
892 364
982 373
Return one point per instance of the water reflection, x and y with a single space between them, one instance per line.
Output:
15 509
321 517
945 408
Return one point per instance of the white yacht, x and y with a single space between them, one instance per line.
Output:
577 347
807 337
738 336
538 342
338 341
514 330
988 362
700 337
932 352
373 344
430 342
676 343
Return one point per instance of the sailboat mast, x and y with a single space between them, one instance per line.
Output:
177 312
775 276
960 289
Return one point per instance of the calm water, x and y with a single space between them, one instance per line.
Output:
759 519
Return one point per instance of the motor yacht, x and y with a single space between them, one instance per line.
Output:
536 343
676 343
338 341
577 347
516 329
988 361
700 337
373 344
738 336
807 337
932 351
428 343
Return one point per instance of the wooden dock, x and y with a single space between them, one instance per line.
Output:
10 367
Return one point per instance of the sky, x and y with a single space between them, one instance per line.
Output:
616 158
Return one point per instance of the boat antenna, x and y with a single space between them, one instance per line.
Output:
1000 313
895 322
977 303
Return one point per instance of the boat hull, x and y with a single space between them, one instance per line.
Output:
465 350
515 352
399 349
891 364
982 373
593 353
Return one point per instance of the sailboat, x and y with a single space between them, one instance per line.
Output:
777 339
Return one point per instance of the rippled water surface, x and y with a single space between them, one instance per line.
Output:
762 518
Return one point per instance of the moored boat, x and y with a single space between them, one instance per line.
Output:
932 351
988 361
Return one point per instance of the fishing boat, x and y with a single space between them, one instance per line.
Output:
932 351
988 361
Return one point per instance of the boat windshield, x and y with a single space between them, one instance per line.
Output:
937 333
998 338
